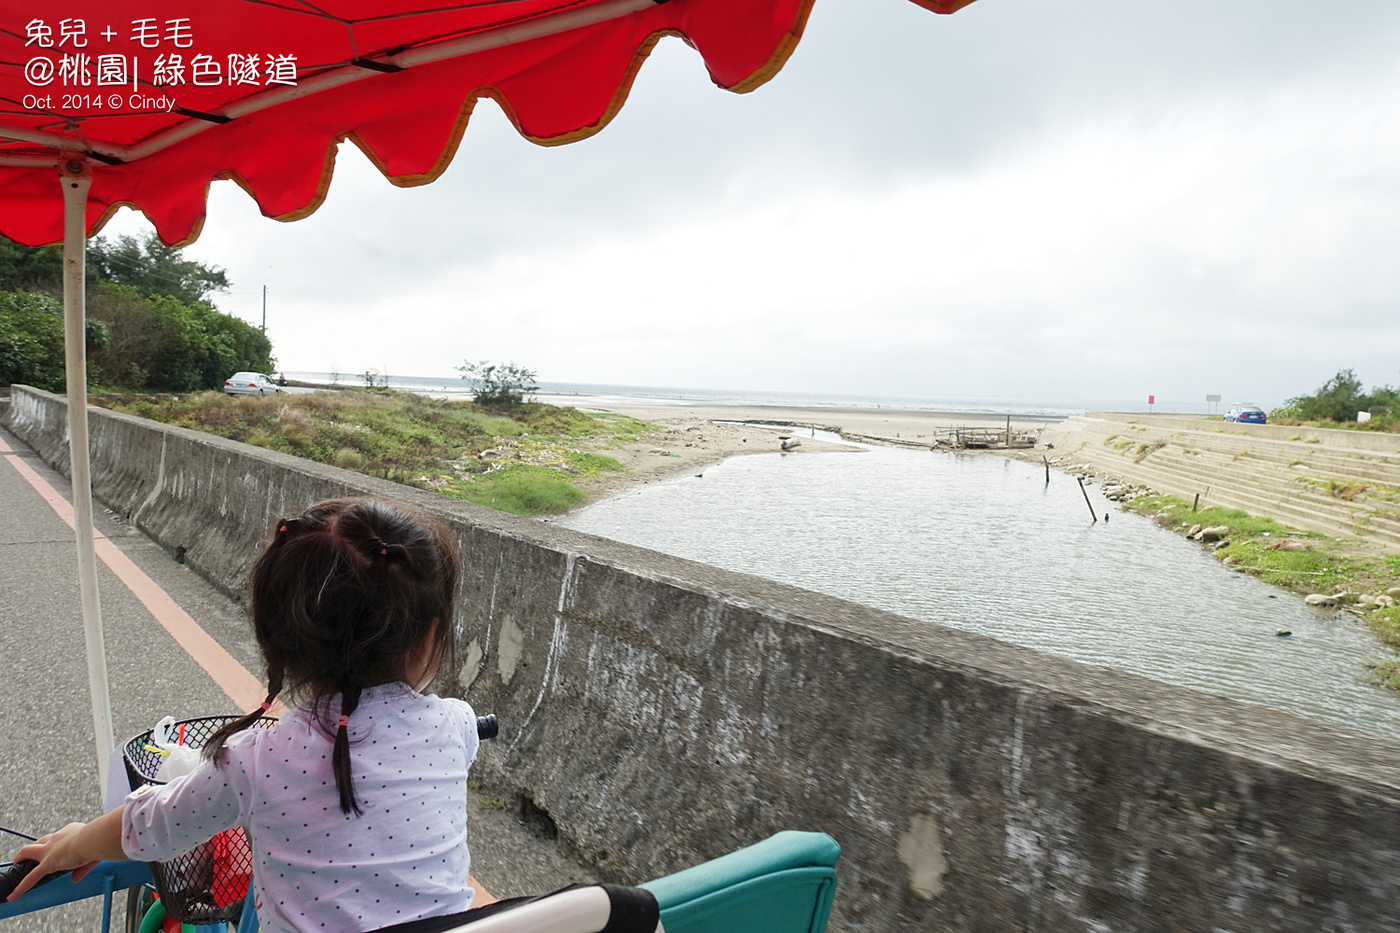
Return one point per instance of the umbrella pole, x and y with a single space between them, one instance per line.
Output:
76 179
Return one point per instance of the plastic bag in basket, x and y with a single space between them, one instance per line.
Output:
233 866
180 759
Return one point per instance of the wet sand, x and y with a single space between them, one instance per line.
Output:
692 437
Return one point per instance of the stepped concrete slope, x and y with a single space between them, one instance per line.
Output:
1342 483
656 712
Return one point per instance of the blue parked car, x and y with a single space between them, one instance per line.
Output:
1250 414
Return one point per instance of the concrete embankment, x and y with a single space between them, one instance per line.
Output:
1337 482
658 711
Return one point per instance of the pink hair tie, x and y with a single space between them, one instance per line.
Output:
266 705
343 723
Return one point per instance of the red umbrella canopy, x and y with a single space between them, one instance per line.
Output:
161 97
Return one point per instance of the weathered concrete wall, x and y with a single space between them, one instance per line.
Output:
1295 482
663 711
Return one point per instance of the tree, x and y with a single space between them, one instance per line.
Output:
149 323
148 265
30 269
498 383
161 343
152 268
31 340
1339 399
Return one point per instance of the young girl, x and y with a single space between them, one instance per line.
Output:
356 799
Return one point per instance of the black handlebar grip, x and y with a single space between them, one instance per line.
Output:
11 875
487 727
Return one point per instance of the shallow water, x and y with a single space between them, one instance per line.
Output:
982 544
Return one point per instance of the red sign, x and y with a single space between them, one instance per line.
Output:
1152 400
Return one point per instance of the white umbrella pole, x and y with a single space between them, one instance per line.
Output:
76 179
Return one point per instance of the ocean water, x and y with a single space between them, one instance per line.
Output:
983 544
598 395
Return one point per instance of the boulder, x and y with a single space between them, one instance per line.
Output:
1214 533
1325 600
1385 601
1195 530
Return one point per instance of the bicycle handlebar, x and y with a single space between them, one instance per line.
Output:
487 727
11 875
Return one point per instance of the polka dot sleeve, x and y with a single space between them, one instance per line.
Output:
161 822
465 718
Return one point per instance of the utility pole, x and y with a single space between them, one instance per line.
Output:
264 309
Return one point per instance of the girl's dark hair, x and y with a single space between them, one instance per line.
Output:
344 598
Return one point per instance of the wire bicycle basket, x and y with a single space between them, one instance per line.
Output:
208 883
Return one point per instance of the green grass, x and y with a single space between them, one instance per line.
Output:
1314 570
521 489
1322 568
1385 624
541 450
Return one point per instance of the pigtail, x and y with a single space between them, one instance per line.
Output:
215 743
340 757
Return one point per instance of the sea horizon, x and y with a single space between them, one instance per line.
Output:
601 393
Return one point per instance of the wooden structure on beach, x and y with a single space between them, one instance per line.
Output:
982 438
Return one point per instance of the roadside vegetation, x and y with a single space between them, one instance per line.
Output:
525 458
1337 403
150 321
1304 562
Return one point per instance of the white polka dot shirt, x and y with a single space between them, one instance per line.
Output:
315 867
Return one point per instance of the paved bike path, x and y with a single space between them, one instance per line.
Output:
48 766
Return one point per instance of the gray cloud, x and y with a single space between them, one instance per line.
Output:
1103 199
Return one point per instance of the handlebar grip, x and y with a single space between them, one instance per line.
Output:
11 875
487 727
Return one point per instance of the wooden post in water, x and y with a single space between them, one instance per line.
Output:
1047 468
1086 499
1008 432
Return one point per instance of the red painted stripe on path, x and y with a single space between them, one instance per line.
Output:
245 690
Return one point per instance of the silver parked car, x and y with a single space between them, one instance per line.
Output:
250 384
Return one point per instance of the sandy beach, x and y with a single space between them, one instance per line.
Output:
692 437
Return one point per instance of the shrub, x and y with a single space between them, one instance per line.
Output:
31 341
498 383
1339 399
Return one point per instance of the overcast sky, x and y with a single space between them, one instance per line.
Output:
1078 200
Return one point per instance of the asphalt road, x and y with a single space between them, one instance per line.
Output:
48 766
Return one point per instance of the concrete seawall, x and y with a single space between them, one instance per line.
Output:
661 711
1336 482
